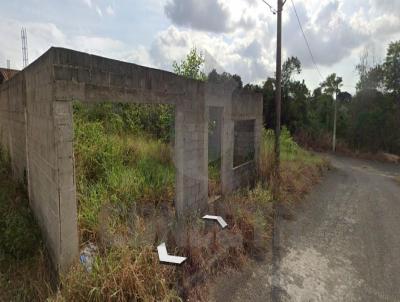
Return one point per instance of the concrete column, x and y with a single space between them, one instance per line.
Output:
68 217
227 150
178 159
191 155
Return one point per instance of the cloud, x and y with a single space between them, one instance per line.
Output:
377 23
88 2
42 36
246 56
253 50
207 15
97 45
110 11
99 12
387 5
330 34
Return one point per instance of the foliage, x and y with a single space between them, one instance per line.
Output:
290 150
332 84
15 217
374 122
154 120
225 77
299 168
291 66
191 66
117 162
122 274
369 121
23 272
375 110
392 68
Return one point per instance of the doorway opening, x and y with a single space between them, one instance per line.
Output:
214 152
124 166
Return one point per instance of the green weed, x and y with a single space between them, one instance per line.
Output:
23 273
117 163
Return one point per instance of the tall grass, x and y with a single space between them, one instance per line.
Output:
121 167
214 178
117 165
123 274
23 273
299 168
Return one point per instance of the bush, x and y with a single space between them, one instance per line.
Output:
123 274
19 234
118 163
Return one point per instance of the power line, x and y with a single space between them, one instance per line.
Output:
273 10
305 39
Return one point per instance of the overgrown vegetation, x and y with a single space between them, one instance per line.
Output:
125 184
23 273
192 66
119 164
124 173
300 169
366 122
214 177
125 267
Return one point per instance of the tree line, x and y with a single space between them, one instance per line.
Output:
367 121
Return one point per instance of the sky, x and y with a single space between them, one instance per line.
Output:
236 36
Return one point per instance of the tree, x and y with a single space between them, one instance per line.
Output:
332 84
344 97
391 68
191 66
225 77
290 66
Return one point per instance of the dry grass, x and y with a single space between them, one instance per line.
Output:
126 268
122 274
299 179
323 143
20 280
23 265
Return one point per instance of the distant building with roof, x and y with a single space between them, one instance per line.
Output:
6 74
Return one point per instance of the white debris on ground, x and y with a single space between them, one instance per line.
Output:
87 255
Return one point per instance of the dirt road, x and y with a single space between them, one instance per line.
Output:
343 245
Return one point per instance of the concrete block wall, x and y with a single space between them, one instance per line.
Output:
249 106
49 133
36 126
244 175
13 123
214 136
243 148
94 79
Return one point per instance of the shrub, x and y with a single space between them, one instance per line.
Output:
117 162
19 234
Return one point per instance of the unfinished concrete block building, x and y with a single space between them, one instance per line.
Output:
36 128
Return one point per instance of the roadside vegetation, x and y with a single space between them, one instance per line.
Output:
128 268
120 166
300 169
23 267
125 189
367 122
125 178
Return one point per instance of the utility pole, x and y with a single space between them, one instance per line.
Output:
334 123
277 177
278 92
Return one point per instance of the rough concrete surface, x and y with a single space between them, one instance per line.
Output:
343 245
36 128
